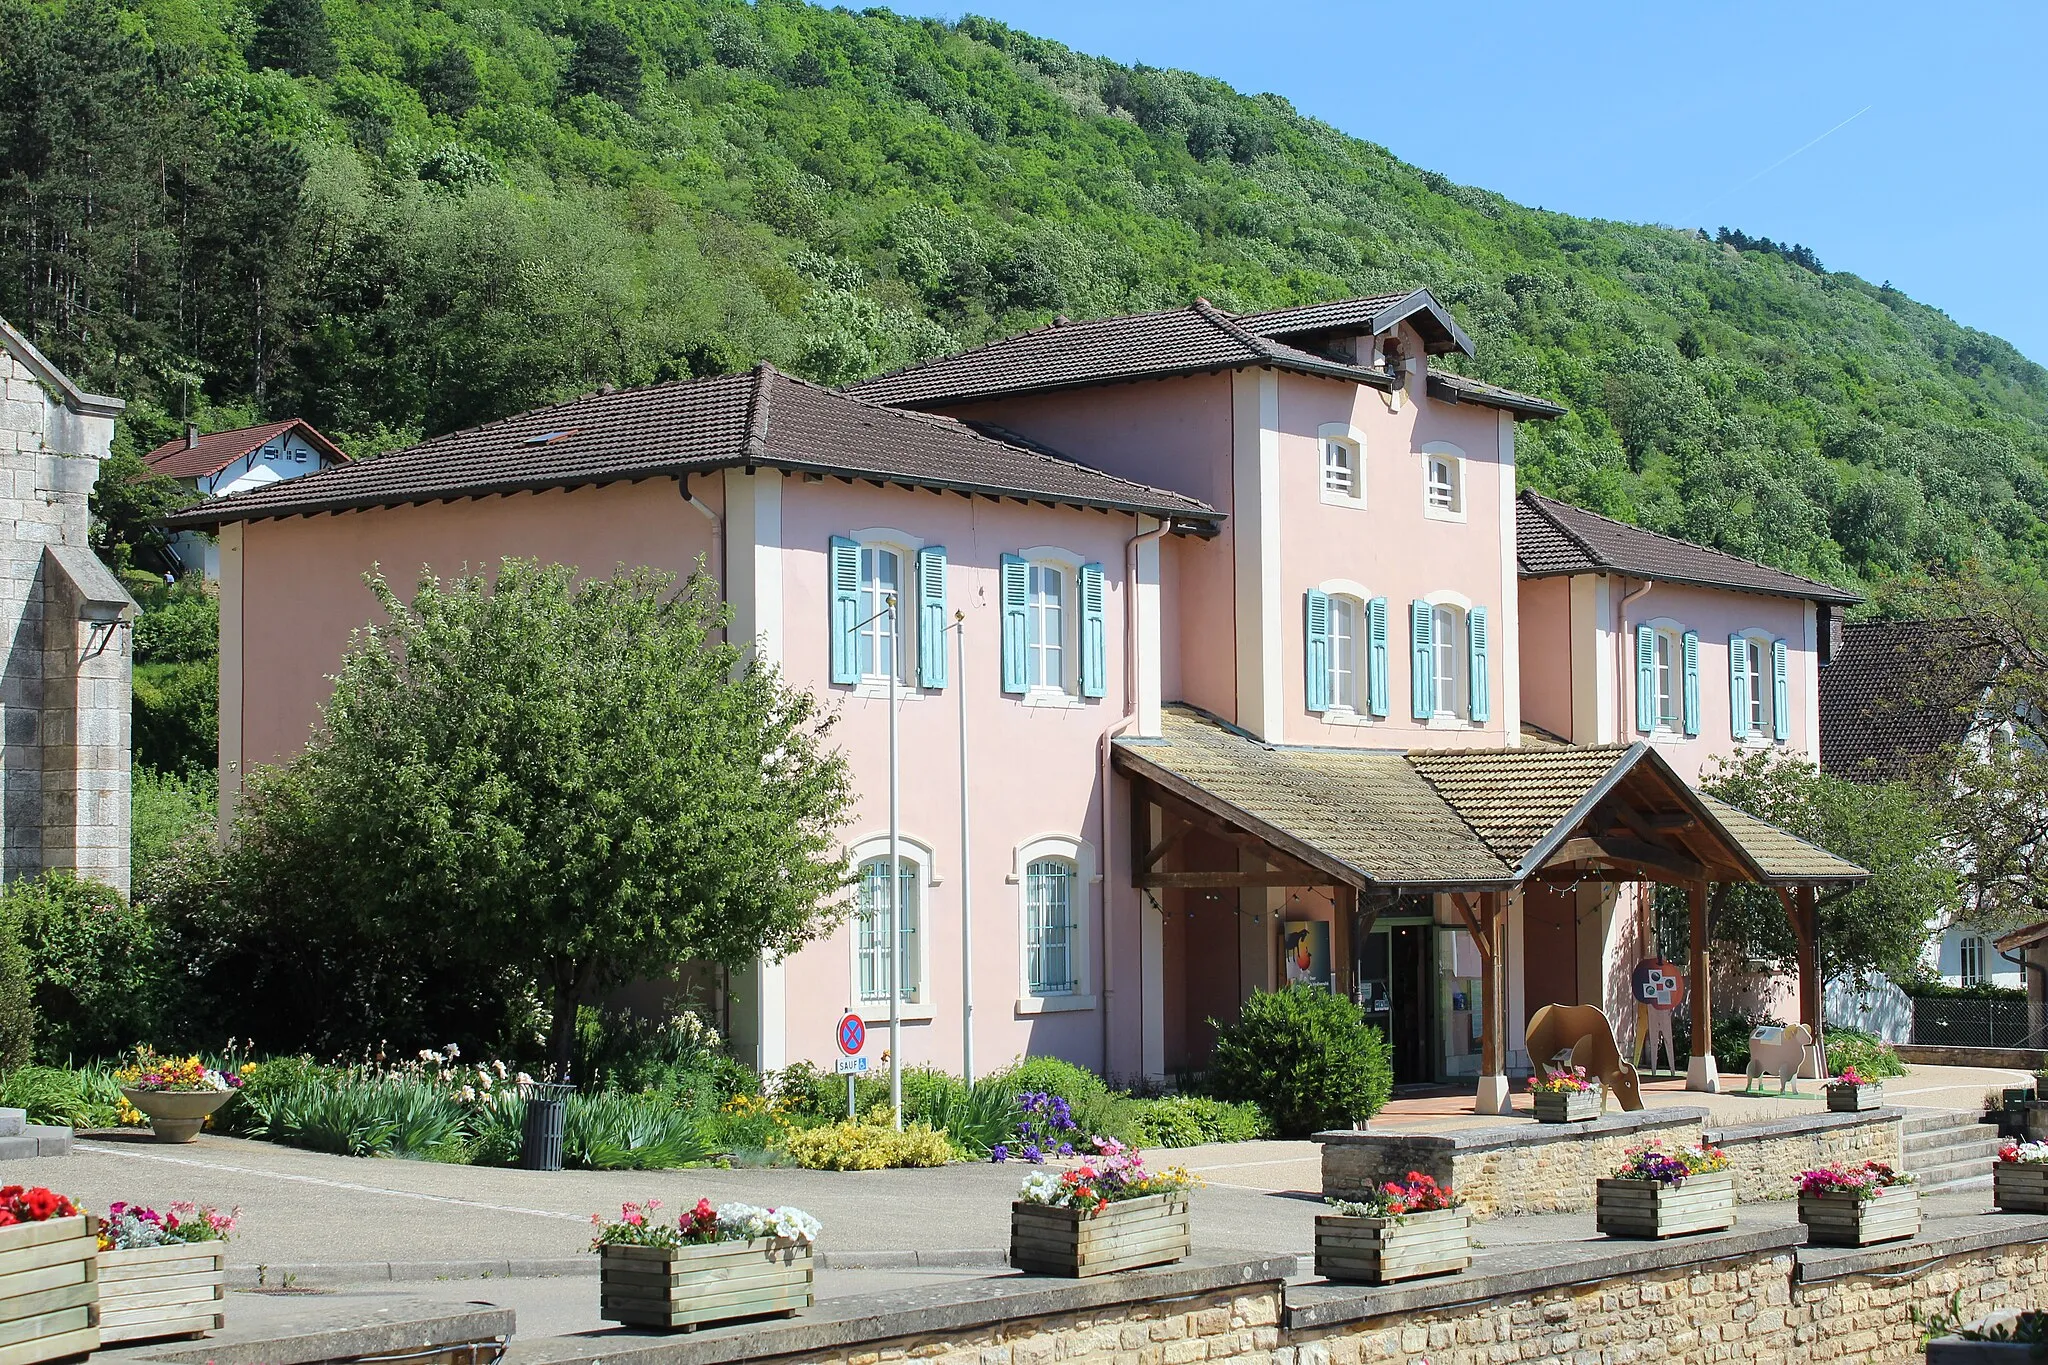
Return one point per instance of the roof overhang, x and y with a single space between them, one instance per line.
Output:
1439 330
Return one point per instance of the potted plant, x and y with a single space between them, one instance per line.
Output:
1566 1095
163 1274
1405 1230
177 1095
2019 1178
2011 1335
710 1265
1659 1193
1851 1093
1854 1206
47 1247
1107 1213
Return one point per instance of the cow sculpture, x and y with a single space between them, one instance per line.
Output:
1580 1035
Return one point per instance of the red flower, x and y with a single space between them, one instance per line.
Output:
7 1220
41 1204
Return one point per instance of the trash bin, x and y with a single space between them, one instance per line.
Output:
540 1141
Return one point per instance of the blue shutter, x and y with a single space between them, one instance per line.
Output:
1316 610
1376 699
1738 687
1690 642
1480 683
1016 583
1781 692
845 576
931 616
1646 679
1421 668
1094 634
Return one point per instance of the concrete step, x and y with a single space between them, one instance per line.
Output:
1959 1149
1935 1120
1951 1173
1955 1183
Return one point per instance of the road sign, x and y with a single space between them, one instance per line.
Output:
852 1036
850 1066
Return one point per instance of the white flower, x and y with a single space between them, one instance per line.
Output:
453 1051
467 1094
2031 1153
525 1079
1043 1187
748 1221
499 1067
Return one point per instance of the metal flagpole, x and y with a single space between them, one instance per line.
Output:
966 866
895 886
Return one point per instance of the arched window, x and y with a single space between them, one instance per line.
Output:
1343 464
874 965
1049 926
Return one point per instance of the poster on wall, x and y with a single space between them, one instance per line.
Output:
1306 948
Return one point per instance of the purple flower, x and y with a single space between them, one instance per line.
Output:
999 1152
1033 1154
1066 1149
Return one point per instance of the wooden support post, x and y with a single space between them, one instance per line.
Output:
1493 1021
1701 1072
1812 1006
1343 920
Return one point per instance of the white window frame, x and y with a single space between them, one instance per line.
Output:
1460 716
1454 458
1669 634
1352 441
905 547
1967 947
1069 564
1354 712
1081 965
1763 730
917 855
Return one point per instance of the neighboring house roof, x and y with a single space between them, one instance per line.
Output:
697 426
73 397
1554 538
197 456
1900 691
1471 818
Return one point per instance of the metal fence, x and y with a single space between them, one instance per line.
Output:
1945 1022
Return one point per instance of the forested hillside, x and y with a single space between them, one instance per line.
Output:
399 217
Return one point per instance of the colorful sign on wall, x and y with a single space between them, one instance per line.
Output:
1305 945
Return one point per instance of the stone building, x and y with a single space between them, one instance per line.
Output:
65 681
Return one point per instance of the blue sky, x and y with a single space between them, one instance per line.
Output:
1655 112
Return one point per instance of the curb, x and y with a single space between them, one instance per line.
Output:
328 1273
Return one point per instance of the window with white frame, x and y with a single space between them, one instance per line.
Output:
1668 676
1970 960
1447 653
874 963
1045 627
880 632
1443 482
1759 652
1049 925
1340 469
1346 621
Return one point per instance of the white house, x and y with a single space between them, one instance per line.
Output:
223 462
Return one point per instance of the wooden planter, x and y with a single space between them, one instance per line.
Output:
1853 1099
1125 1235
49 1291
168 1291
688 1287
1381 1250
1647 1208
2020 1186
1843 1220
1567 1106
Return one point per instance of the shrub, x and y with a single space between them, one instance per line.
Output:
93 960
869 1145
1871 1056
926 1088
17 999
808 1092
748 1125
242 1116
1076 1085
52 1094
165 807
623 1050
177 715
975 1118
1190 1120
1306 1057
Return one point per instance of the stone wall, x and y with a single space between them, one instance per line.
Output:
1768 1157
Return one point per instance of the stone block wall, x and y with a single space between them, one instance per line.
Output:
1767 1158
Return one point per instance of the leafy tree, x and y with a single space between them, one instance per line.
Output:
292 35
573 784
605 65
448 82
92 965
1888 829
128 503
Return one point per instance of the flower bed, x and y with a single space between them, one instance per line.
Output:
1660 1193
162 1274
1854 1206
1566 1095
1852 1092
2019 1178
1100 1216
1406 1230
178 1094
48 1248
710 1265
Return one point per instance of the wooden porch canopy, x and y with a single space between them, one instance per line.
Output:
1476 824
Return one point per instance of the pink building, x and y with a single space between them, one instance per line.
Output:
1247 646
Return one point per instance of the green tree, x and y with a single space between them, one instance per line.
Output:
1888 828
605 65
293 35
128 503
448 82
17 992
574 783
92 963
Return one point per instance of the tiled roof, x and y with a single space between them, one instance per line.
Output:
696 426
1373 314
1515 798
1899 691
1456 388
1066 355
1782 857
216 450
1553 538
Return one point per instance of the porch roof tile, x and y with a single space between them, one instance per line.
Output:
1783 857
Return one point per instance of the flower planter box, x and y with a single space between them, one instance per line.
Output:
1649 1208
1566 1106
178 1290
49 1291
1842 1220
691 1286
176 1115
1152 1230
2020 1186
1854 1099
1382 1250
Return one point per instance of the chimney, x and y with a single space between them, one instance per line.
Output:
191 435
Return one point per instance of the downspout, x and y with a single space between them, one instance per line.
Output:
1621 651
717 560
1128 719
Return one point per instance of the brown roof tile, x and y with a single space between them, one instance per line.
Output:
1554 538
216 450
1456 388
1899 691
695 426
1515 798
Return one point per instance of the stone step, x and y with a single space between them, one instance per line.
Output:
1957 1150
1952 1173
34 1141
1936 1120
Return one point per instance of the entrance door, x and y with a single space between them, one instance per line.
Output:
1395 986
